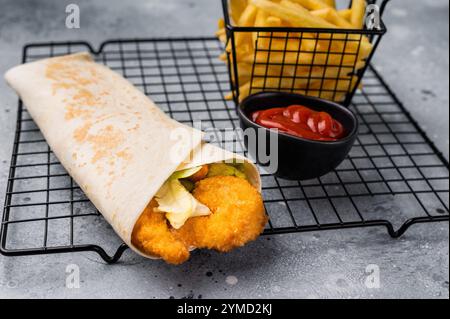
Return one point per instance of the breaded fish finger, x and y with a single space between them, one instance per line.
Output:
238 214
152 235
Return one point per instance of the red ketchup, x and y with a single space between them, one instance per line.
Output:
302 122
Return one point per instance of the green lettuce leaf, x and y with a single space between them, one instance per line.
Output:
222 169
185 173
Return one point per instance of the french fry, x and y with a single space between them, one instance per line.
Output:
221 33
223 57
263 38
338 73
332 16
299 17
322 13
313 4
358 13
222 36
221 24
237 7
301 58
274 22
355 42
322 23
331 3
332 89
249 71
289 44
346 14
229 96
311 85
365 46
247 19
260 21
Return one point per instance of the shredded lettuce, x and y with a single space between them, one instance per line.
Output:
188 185
185 173
177 202
222 169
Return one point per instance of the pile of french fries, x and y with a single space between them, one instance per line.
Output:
312 63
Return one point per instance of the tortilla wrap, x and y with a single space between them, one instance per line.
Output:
118 146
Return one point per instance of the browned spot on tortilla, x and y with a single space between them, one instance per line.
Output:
125 155
81 133
85 97
59 86
105 142
79 82
73 111
104 118
76 80
67 74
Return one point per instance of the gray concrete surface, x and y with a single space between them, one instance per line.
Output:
414 60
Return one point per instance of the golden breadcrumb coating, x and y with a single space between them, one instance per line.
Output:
153 236
237 218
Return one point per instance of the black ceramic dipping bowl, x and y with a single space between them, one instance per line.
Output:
298 158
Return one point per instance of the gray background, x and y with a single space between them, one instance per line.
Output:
413 58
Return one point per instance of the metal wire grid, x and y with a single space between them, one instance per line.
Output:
330 67
394 176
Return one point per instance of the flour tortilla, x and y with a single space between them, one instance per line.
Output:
112 139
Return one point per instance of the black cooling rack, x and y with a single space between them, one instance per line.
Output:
394 178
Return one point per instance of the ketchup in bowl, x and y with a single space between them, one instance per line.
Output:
300 121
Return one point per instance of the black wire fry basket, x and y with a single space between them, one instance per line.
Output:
322 62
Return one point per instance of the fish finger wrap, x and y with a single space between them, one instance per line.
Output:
123 151
237 217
